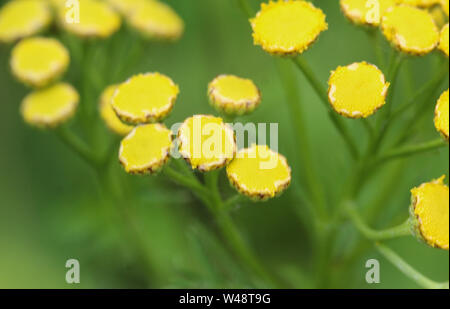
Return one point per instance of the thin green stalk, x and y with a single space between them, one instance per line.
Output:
186 181
315 189
410 150
232 201
401 230
321 92
408 270
374 38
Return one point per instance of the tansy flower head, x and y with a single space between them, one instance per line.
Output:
39 61
146 149
365 12
410 29
259 172
126 7
233 95
429 210
96 19
109 116
420 3
357 90
206 142
157 20
145 98
443 41
22 18
441 115
287 27
50 106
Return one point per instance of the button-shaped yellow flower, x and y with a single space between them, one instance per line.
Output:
49 107
259 172
126 7
287 27
357 90
39 61
366 12
420 3
206 142
410 29
95 19
109 116
443 41
146 149
441 115
429 208
145 98
233 95
22 18
157 20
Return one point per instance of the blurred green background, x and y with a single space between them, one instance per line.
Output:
51 209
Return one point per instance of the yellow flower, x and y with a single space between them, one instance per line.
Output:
357 90
39 61
443 42
441 115
429 208
366 12
445 6
420 3
287 27
145 98
109 116
157 20
233 95
259 172
50 106
206 142
146 149
126 7
22 18
410 29
96 19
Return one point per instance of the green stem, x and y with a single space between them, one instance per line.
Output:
373 35
186 181
246 8
408 270
403 229
231 202
411 150
321 92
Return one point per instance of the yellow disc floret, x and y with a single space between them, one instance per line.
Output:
430 202
366 12
357 90
259 172
441 115
410 29
145 98
39 61
206 142
287 27
50 106
146 149
94 19
233 95
109 116
22 18
443 41
157 20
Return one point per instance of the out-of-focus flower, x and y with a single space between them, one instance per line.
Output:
126 7
439 16
49 107
420 3
22 18
233 95
157 20
441 112
206 142
366 12
145 98
38 61
96 19
410 29
445 6
287 27
357 90
109 116
429 210
146 149
443 41
259 172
